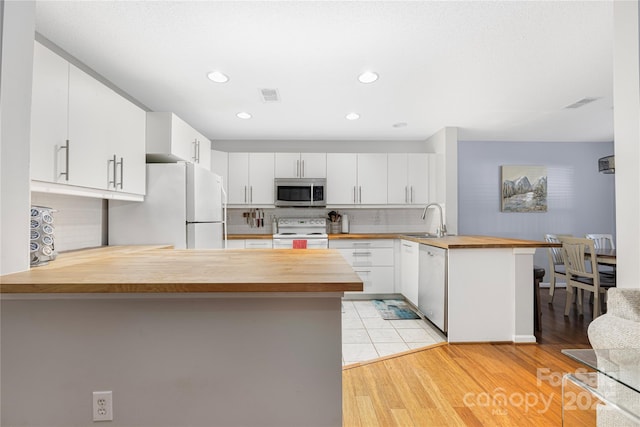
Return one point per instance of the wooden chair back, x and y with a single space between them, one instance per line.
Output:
602 241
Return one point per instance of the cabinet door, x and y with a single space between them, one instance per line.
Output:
372 178
397 187
204 152
261 176
342 176
287 165
375 280
418 178
183 139
238 178
90 131
128 121
409 270
313 165
49 109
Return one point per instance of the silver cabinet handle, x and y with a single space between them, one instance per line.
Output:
362 254
354 195
195 151
360 194
298 168
66 161
362 244
245 194
251 194
121 163
406 194
198 146
115 166
302 174
411 200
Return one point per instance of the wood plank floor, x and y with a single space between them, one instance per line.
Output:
472 384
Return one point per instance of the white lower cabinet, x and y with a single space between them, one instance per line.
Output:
372 260
250 244
258 244
409 270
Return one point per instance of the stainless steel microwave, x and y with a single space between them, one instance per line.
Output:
302 192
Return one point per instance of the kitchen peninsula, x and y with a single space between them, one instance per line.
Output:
198 338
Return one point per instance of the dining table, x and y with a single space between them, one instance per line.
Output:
606 256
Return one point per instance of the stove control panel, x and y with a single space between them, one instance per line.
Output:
302 222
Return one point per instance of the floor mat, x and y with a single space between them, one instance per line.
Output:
391 309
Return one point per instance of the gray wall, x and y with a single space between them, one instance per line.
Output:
580 199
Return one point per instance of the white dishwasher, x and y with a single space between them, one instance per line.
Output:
432 285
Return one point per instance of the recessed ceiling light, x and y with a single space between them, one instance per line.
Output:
243 115
399 125
218 77
368 77
352 116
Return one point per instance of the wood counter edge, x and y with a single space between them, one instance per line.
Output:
144 288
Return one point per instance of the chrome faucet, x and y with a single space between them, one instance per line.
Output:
442 229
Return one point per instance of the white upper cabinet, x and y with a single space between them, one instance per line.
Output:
342 178
356 179
301 165
130 163
170 139
251 178
83 133
408 178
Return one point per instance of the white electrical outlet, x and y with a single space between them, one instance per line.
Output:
102 406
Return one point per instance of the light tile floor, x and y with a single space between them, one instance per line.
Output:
366 335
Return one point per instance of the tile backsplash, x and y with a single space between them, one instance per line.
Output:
80 222
361 220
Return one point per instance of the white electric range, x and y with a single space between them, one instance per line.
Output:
309 233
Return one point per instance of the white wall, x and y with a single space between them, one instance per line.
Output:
18 24
626 99
445 142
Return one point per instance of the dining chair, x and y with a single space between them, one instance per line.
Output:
556 263
581 265
604 241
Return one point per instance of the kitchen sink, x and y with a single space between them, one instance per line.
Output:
425 235
422 235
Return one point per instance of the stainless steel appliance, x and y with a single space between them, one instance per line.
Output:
432 285
309 233
183 207
303 192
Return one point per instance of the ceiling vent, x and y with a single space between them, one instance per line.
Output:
270 95
582 102
607 165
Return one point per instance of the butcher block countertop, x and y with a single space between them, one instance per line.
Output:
478 242
447 242
157 269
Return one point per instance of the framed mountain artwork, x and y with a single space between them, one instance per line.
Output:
524 189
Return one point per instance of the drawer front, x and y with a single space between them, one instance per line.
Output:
361 243
368 256
258 244
376 280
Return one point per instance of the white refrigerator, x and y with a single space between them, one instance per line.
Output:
183 207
